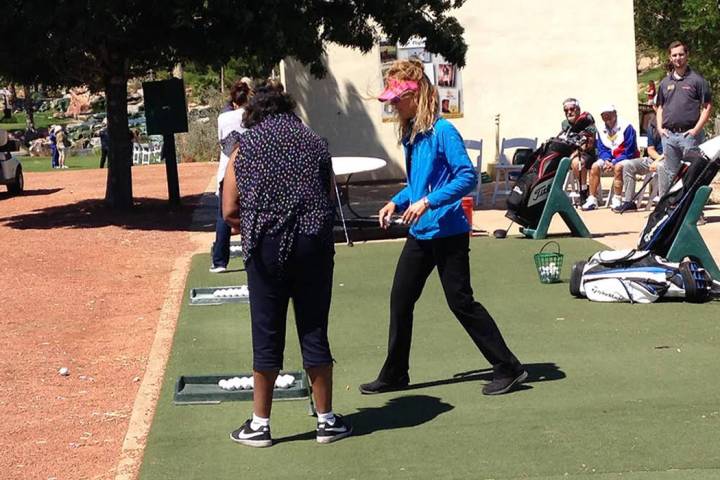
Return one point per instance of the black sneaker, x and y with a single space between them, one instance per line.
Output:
380 386
583 196
327 433
252 438
625 206
503 385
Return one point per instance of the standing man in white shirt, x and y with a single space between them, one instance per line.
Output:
228 122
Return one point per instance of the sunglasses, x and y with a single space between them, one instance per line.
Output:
568 110
396 100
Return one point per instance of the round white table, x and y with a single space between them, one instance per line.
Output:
349 166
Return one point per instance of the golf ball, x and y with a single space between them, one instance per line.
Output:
64 371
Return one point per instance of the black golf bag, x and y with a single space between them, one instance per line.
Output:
527 198
530 192
666 219
639 277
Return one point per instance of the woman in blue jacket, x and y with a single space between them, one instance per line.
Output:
439 174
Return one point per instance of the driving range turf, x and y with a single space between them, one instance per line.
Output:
615 391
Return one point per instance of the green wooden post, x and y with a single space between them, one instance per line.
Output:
558 202
689 242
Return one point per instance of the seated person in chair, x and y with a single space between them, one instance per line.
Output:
641 166
581 160
616 141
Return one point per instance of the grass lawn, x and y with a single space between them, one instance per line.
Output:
42 120
43 164
616 391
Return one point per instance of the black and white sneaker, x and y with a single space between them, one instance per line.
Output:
328 433
252 438
503 385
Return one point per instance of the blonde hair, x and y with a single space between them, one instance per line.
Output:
426 97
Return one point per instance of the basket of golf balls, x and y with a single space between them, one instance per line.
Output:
549 263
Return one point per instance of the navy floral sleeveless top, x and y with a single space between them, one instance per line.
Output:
283 173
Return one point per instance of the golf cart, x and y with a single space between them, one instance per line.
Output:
10 169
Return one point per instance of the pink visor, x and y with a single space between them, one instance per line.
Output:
395 88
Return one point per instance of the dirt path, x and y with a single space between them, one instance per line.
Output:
82 288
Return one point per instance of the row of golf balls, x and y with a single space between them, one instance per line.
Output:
246 383
232 292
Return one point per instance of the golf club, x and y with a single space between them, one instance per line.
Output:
642 188
500 233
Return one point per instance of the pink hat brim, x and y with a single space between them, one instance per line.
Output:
395 88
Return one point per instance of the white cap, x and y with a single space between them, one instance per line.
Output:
608 107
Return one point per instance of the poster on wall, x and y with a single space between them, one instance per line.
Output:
441 73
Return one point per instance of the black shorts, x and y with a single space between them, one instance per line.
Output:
307 279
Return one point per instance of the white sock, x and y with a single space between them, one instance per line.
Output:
328 417
258 422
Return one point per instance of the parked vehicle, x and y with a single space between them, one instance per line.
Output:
11 173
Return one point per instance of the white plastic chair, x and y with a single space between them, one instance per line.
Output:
145 148
476 145
136 154
503 167
156 152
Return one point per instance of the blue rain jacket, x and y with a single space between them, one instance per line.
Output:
438 167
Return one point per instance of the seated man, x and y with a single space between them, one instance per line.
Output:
581 160
616 141
641 166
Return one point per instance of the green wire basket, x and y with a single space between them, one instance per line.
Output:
549 264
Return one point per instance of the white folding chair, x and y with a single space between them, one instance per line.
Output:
156 152
503 166
145 148
137 154
476 145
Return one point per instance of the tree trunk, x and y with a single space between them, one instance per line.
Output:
29 110
118 193
13 95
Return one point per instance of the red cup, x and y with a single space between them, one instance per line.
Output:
467 206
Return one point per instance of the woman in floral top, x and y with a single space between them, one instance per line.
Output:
278 196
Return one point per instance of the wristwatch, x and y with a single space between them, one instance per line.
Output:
426 202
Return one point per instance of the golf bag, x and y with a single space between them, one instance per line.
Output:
698 169
530 192
637 276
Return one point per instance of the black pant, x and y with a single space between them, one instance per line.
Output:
103 157
307 279
451 256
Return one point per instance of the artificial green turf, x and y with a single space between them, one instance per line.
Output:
616 391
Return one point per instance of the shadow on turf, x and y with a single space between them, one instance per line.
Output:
537 372
401 412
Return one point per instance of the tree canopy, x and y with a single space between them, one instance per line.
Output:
102 43
694 22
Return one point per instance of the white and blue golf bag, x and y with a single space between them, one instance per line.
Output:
639 276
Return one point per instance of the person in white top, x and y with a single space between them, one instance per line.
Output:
228 122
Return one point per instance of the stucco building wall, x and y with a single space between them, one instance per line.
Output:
524 58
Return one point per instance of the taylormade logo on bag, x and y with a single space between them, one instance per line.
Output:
604 293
